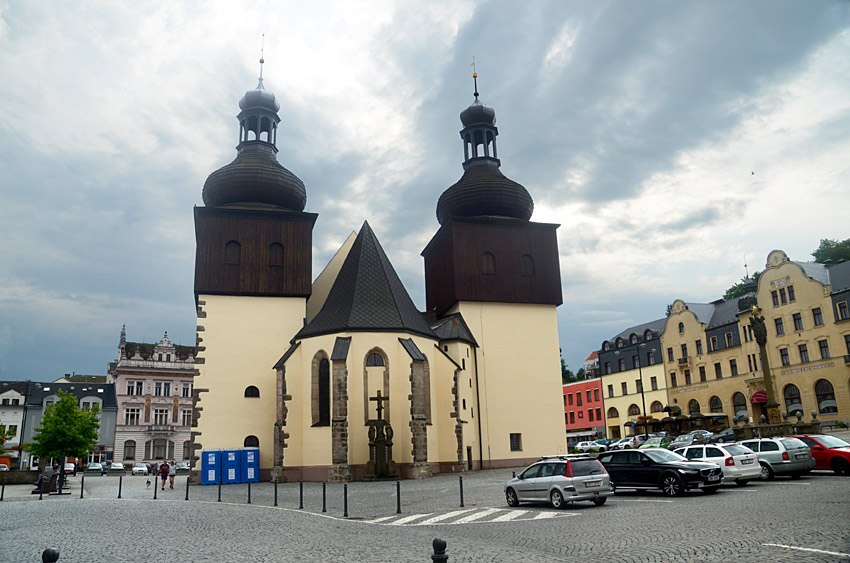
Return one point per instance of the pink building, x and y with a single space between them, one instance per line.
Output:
584 410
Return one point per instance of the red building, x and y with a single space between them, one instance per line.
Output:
584 410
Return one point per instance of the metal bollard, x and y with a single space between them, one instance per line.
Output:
219 487
50 555
3 490
300 495
155 487
275 492
120 482
345 500
41 487
398 497
82 484
249 492
187 488
460 477
324 498
439 550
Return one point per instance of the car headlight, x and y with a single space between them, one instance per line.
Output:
688 471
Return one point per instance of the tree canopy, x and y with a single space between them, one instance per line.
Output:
65 429
743 287
3 438
832 250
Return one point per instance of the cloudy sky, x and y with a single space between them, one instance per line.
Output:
672 141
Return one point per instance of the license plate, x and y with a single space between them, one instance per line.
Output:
746 461
592 483
801 456
714 477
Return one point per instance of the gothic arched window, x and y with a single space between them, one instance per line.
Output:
374 359
232 252
488 263
527 265
252 391
275 254
251 442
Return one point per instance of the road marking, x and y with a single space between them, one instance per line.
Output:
641 500
784 483
808 549
545 515
381 519
476 516
441 517
406 519
509 516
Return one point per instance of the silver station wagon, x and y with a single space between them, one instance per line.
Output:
559 480
782 456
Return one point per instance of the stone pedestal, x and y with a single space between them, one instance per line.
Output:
339 473
421 470
381 464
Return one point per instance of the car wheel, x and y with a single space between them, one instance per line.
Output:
557 499
510 496
599 501
840 466
671 485
766 472
742 482
710 490
720 440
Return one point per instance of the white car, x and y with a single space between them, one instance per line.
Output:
739 463
116 466
140 469
4 467
588 446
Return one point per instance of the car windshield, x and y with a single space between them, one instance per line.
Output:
661 456
793 443
737 450
582 467
832 442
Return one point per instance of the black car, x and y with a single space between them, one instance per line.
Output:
660 469
727 435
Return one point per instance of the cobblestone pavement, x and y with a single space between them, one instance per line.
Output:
782 520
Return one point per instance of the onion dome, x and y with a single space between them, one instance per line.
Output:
255 178
482 191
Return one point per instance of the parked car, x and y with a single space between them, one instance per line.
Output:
140 469
660 469
705 434
633 441
94 466
616 443
559 480
782 456
722 437
116 466
4 467
739 464
829 452
182 465
656 442
686 440
590 446
69 468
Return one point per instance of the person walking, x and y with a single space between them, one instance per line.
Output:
164 469
172 473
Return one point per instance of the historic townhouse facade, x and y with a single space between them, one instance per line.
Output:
13 398
153 387
632 376
584 410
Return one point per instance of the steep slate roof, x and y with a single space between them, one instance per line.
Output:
453 327
367 296
656 326
839 276
725 312
103 391
816 271
703 311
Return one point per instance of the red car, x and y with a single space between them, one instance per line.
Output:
829 453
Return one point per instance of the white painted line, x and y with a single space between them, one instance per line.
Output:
545 515
381 519
509 516
640 500
808 549
783 483
476 516
445 516
407 519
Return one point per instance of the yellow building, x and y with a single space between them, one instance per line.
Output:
311 372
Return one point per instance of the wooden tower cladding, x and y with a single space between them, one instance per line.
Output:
257 252
492 260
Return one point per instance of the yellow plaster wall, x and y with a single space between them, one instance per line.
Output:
519 377
243 338
622 402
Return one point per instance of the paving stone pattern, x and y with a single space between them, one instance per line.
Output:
737 524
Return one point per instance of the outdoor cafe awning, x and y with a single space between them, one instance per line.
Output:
759 397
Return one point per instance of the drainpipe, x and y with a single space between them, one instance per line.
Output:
478 404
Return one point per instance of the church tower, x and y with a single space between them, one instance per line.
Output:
252 281
501 272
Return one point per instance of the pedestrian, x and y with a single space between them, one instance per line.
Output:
172 473
163 473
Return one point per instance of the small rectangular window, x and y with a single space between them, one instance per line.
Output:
624 387
780 328
588 396
578 398
729 340
843 313
847 342
804 353
791 296
750 362
596 394
702 373
187 417
611 390
798 321
653 382
638 386
572 418
673 380
713 342
570 398
687 377
590 415
621 365
516 442
607 368
598 413
775 296
718 370
817 315
733 367
12 430
782 297
824 349
783 356
670 354
684 350
187 390
699 347
157 389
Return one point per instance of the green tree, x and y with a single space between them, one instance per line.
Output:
65 429
3 438
832 250
746 285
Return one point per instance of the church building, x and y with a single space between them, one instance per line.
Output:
334 376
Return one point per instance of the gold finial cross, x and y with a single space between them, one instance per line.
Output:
474 74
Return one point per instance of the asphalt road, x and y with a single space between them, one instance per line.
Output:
781 520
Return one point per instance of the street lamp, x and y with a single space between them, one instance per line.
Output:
637 347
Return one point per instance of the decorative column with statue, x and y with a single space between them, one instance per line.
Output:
760 333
